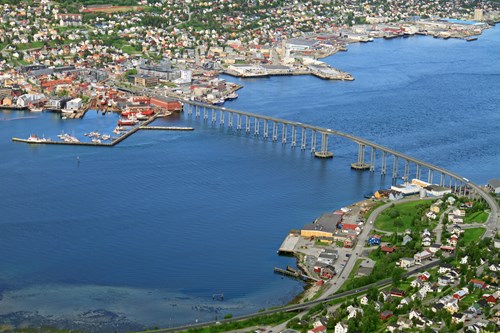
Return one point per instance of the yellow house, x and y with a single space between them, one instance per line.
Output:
435 209
7 101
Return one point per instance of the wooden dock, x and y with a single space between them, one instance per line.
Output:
294 273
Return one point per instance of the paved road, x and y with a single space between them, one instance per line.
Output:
439 227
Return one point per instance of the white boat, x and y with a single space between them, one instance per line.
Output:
94 140
141 116
34 138
105 137
36 109
232 96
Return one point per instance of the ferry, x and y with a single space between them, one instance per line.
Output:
127 122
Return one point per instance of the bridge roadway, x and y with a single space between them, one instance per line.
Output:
494 217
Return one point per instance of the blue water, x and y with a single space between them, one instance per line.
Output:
461 21
152 228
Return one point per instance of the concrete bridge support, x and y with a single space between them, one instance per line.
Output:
284 129
256 127
247 124
303 144
266 129
406 174
275 131
373 156
205 113
313 141
229 120
395 167
238 122
221 119
294 136
383 170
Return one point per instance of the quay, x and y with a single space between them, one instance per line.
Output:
288 245
167 128
142 126
294 273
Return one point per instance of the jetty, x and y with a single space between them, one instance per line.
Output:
142 126
295 273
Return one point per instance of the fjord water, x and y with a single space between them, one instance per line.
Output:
152 228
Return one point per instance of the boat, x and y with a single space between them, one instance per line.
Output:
35 139
105 137
470 38
127 122
96 140
141 116
219 102
232 96
34 109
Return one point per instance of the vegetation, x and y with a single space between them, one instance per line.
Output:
479 217
272 319
471 236
375 206
404 216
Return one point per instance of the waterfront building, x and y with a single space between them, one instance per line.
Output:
162 70
74 104
325 226
478 14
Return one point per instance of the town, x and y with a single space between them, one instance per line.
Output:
441 273
415 256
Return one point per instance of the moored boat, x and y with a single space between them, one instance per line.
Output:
35 139
232 96
127 122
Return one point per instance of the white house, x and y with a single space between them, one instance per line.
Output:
74 104
406 262
341 328
419 257
494 185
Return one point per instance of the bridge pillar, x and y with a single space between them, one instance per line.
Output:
238 122
313 141
266 129
248 125
256 126
198 112
324 153
214 116
294 136
407 170
450 181
221 119
275 131
429 176
303 144
417 172
230 120
383 170
395 166
284 129
205 113
189 110
441 180
361 153
373 156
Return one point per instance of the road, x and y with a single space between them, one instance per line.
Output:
439 227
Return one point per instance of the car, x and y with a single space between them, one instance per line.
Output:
356 253
348 255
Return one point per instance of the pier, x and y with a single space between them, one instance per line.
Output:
294 273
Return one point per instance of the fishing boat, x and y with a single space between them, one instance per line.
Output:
127 121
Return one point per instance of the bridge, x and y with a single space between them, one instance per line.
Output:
306 137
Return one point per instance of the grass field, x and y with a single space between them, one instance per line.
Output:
113 9
472 235
477 217
406 212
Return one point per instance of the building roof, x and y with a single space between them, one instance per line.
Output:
495 183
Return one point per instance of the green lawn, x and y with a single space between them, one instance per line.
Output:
402 216
472 235
355 269
478 217
29 46
130 49
375 206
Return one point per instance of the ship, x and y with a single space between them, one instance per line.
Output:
35 109
127 122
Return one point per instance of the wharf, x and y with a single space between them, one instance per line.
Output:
166 128
13 107
294 273
142 126
288 245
